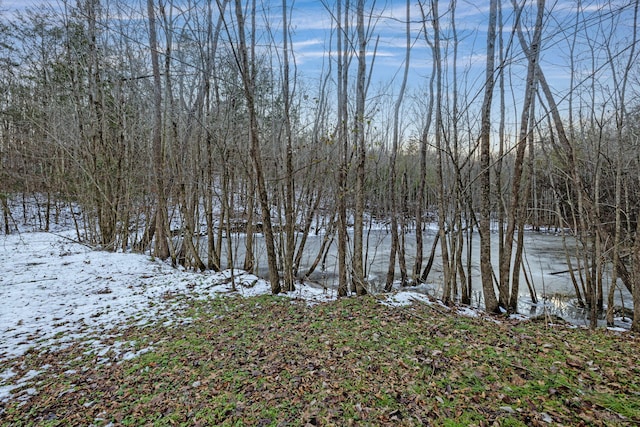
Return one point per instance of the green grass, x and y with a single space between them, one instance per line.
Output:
272 361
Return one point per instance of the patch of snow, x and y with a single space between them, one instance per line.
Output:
31 374
425 288
31 391
6 390
468 312
129 355
401 299
443 305
53 287
546 417
7 373
311 294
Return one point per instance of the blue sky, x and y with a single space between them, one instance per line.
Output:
311 23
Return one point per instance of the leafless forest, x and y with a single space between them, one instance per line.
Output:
167 125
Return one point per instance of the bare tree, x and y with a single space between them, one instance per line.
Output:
289 204
507 300
358 276
490 300
241 55
161 221
342 70
418 275
392 164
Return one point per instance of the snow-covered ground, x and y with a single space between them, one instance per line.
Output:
55 291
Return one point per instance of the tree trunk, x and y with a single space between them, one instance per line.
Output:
620 124
161 246
6 213
518 186
486 270
248 80
442 208
635 326
305 231
432 255
392 167
342 77
417 269
358 277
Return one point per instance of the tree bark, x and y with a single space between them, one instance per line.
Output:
161 249
289 205
635 325
486 270
417 269
342 76
358 278
442 210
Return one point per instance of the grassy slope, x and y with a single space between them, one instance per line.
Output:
274 361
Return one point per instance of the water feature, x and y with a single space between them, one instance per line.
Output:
544 263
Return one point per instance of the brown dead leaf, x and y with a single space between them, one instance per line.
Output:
517 380
575 363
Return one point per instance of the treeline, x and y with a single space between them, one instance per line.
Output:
161 118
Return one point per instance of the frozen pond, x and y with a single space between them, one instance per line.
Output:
544 262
